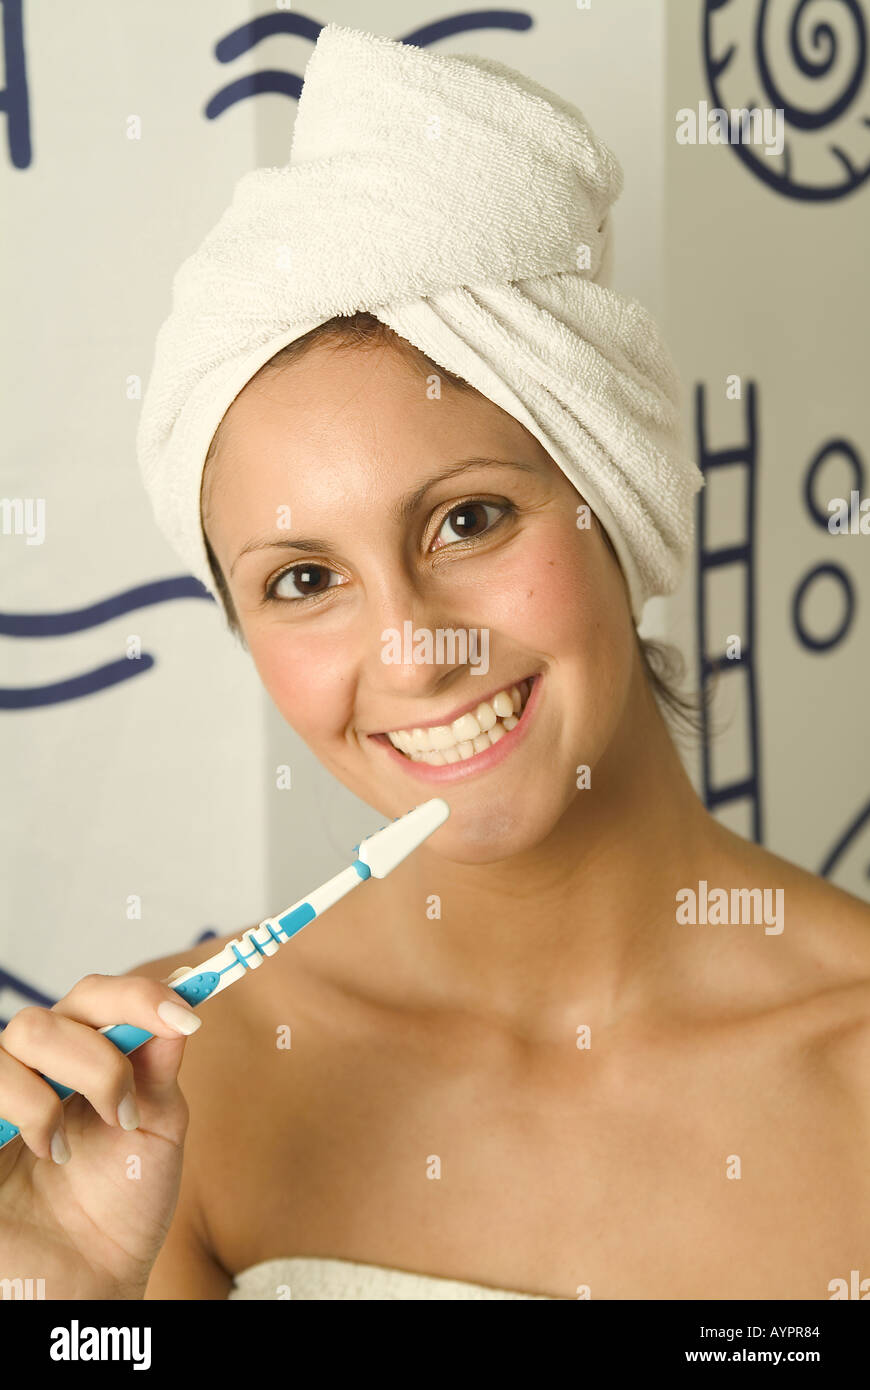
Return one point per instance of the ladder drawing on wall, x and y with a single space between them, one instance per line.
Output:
740 553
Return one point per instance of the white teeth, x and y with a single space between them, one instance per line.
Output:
486 717
467 726
467 735
441 736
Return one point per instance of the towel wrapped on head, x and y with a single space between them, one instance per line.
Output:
467 208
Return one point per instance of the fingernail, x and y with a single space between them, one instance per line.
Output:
128 1112
59 1147
185 1020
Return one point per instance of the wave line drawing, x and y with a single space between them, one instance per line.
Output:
278 82
75 687
79 620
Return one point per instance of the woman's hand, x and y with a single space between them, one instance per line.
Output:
92 1226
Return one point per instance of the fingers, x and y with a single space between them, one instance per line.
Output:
148 1004
61 1042
26 1101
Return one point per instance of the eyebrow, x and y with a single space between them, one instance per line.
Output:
399 511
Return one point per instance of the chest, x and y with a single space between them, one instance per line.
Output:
656 1177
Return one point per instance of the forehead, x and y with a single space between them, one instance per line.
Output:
339 405
344 376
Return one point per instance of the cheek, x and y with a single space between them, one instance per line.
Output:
554 592
306 679
560 593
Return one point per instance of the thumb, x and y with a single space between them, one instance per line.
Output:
156 1065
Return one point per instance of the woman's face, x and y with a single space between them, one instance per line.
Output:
304 510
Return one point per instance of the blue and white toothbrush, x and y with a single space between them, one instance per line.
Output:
378 854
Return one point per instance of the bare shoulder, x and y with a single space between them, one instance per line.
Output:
843 946
826 927
830 944
814 974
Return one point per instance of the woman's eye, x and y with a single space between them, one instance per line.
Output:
465 520
304 575
468 520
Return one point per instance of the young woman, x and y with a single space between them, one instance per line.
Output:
516 1070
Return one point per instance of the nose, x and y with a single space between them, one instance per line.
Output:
410 655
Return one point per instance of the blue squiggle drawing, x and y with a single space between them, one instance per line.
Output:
518 20
74 688
78 620
246 36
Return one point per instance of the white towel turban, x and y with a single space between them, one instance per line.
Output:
468 208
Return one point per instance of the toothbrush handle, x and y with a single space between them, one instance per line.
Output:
234 961
205 980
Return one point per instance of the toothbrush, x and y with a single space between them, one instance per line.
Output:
378 854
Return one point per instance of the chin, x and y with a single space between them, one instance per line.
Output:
493 832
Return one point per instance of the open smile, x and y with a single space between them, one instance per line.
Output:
472 743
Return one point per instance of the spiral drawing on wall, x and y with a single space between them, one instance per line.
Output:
808 60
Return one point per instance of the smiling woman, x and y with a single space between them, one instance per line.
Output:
416 498
396 389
